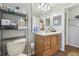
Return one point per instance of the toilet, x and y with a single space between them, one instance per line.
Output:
16 47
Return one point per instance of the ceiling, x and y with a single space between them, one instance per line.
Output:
35 10
53 7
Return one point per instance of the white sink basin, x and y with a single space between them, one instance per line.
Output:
47 33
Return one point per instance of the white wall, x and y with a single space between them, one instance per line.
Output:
73 32
0 33
66 26
61 28
0 42
36 21
0 4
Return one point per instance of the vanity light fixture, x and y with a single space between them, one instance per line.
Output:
44 6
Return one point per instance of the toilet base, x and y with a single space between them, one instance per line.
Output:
22 55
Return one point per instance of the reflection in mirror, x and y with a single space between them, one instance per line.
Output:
41 25
57 20
47 21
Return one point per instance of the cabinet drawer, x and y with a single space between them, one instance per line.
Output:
46 38
47 45
46 42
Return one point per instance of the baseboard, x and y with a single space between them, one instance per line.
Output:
62 49
74 45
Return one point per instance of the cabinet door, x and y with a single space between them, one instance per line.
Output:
54 41
59 40
38 42
47 42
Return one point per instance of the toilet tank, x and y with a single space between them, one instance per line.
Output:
16 47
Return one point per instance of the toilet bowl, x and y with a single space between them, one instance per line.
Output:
22 55
16 47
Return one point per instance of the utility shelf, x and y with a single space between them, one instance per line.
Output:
13 27
13 13
9 27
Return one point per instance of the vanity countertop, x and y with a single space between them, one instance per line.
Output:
47 33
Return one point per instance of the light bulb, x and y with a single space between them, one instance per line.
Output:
39 6
42 4
42 8
48 8
45 6
45 9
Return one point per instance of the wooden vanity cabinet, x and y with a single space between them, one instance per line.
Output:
47 45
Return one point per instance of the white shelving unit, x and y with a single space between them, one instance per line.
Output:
17 28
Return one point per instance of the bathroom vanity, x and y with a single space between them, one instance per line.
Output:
47 43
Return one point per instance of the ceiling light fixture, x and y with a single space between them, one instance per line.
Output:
44 6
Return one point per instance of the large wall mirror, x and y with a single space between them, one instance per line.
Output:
57 20
47 22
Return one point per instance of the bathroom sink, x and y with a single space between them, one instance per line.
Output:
52 30
43 33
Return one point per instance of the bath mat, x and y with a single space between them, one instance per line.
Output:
72 53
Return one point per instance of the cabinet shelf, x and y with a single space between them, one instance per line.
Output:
22 27
13 27
13 38
9 27
13 13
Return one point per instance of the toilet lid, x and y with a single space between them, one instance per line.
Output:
22 55
16 41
